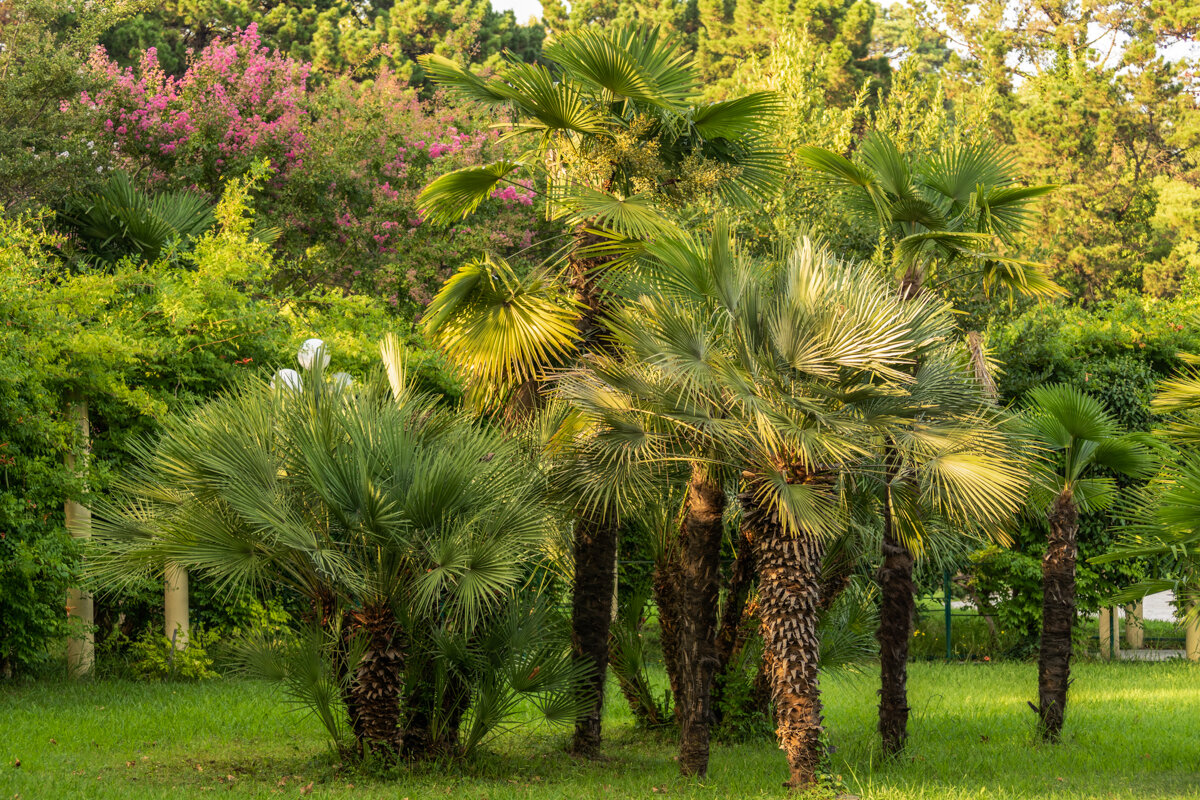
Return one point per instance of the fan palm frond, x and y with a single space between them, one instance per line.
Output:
457 194
499 327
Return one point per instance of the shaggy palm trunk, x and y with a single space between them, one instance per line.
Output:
698 590
666 600
895 627
595 540
731 632
739 620
789 589
1058 614
378 681
591 618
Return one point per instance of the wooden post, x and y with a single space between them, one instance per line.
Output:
1191 637
175 604
1110 629
1135 627
81 646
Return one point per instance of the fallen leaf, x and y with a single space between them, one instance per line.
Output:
307 789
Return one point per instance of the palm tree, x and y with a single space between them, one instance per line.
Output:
791 374
945 217
960 207
1164 519
407 528
947 471
612 129
1082 438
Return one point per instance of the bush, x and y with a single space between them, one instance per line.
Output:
156 657
47 139
350 218
136 342
235 104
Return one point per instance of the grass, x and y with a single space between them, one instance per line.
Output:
1131 733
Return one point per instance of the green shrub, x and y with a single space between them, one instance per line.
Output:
156 658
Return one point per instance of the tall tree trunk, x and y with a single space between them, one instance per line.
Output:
789 589
377 685
1058 614
895 627
741 580
699 589
591 617
736 617
666 599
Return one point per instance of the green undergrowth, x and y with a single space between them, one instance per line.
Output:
1131 733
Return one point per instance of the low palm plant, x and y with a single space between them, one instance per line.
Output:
1165 518
408 530
1081 440
121 220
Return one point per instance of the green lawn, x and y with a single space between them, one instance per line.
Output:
1133 731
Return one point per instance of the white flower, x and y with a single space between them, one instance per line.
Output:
99 170
64 154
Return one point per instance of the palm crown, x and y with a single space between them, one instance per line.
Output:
960 204
610 121
1081 437
807 368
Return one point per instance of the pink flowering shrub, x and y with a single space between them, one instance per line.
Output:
237 102
372 148
350 160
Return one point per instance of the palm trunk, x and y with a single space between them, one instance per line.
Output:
836 575
591 618
699 589
789 588
741 579
895 627
666 599
1058 615
378 681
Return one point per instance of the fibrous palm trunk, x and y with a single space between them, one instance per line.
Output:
378 680
698 590
895 627
591 618
666 600
1058 615
789 589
